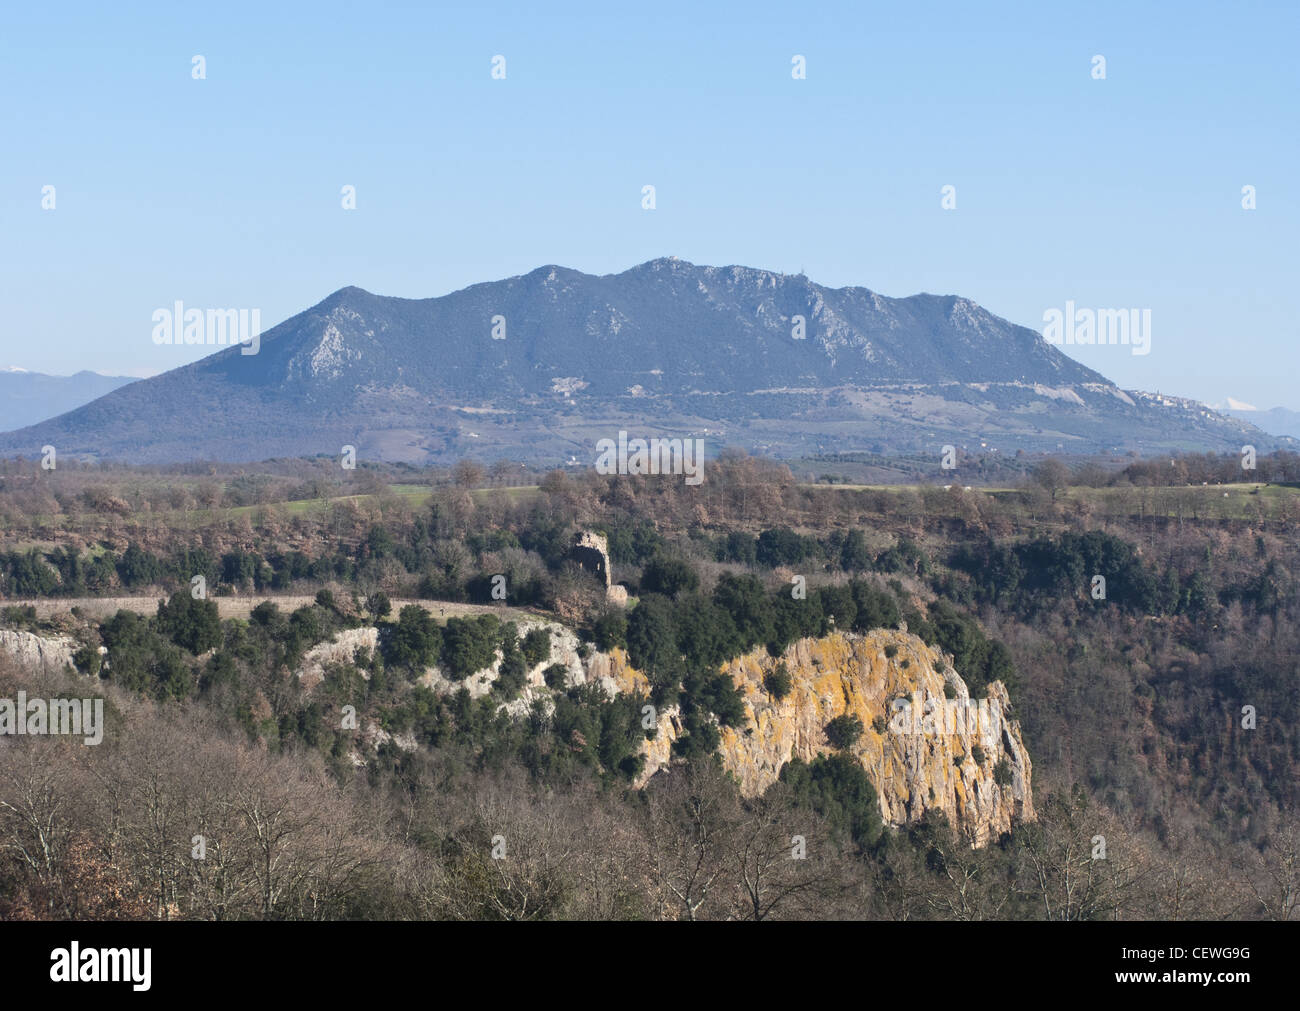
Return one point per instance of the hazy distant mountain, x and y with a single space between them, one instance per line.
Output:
666 347
29 397
1275 421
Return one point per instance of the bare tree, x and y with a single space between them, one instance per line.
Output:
1273 878
1052 475
467 474
690 822
788 864
1078 863
35 816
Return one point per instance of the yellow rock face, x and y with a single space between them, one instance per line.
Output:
934 752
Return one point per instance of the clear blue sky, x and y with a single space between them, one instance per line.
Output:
225 192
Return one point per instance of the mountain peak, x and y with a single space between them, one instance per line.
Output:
347 293
659 262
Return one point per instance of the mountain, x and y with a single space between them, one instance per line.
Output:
1275 421
664 348
29 397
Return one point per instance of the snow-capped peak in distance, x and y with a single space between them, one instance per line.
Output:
1230 404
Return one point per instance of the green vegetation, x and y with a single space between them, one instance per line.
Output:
777 681
836 787
1137 693
843 731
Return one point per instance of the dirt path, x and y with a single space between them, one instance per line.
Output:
241 607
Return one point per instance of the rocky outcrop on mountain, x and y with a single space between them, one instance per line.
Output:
37 652
926 744
341 649
564 652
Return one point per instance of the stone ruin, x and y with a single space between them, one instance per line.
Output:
591 552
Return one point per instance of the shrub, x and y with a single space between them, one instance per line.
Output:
378 605
191 624
777 682
415 641
652 635
875 608
511 676
265 613
610 630
781 546
537 646
669 576
843 731
719 695
87 660
837 787
469 644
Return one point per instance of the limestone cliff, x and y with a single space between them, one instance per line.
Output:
340 649
37 652
925 745
564 652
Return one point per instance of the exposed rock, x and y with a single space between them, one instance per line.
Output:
564 651
36 652
915 766
341 649
917 760
373 736
614 674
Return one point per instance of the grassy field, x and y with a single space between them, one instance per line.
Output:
414 495
1242 501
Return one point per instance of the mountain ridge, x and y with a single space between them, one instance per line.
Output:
669 346
28 397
